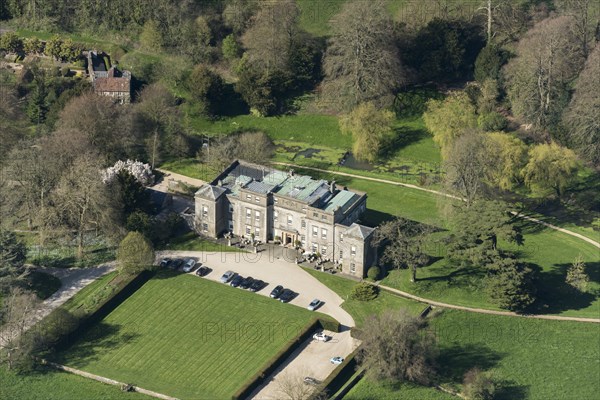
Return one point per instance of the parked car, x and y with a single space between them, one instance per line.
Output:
246 283
176 263
227 276
286 295
322 337
165 262
314 304
337 360
203 271
311 381
236 281
257 285
276 291
189 265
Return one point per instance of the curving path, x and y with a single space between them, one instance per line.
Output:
437 192
72 281
483 310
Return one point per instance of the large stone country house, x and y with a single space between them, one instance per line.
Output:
248 199
112 83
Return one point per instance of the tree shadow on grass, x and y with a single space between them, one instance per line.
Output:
457 359
96 341
555 295
509 390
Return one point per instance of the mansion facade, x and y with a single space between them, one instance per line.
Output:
253 200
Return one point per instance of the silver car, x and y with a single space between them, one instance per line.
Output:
227 276
189 265
314 304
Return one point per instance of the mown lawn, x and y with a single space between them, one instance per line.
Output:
360 310
50 384
529 358
368 390
188 337
532 359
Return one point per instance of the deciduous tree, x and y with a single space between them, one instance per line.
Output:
548 59
16 348
465 164
135 254
361 63
506 156
82 202
396 346
582 121
477 385
371 130
270 37
550 167
449 118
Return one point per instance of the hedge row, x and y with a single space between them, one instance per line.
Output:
339 376
122 292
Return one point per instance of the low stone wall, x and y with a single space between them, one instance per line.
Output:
109 381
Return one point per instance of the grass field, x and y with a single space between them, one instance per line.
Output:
367 390
362 309
188 337
55 385
533 359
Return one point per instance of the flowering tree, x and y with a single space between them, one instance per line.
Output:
140 171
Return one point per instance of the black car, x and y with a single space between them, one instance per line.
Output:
236 281
246 283
166 262
276 291
257 285
286 295
203 271
178 262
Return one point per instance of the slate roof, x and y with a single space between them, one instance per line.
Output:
211 192
361 231
112 85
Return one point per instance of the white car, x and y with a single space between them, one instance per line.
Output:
337 360
189 265
314 304
227 276
321 337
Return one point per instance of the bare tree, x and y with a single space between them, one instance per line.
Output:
291 385
361 62
465 166
548 60
582 121
586 19
254 147
17 309
270 38
82 202
397 346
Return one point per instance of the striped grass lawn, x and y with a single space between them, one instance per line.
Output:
188 337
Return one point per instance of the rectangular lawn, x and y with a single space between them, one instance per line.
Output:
188 337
